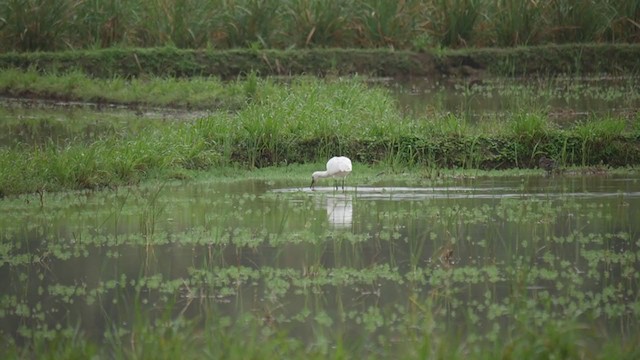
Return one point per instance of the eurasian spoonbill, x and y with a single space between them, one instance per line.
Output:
337 167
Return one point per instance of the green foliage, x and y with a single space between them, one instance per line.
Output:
35 25
251 337
388 24
76 85
259 342
528 125
603 129
600 136
554 340
318 23
578 21
45 25
306 120
455 21
516 23
65 346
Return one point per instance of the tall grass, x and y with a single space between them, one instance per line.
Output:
318 23
516 23
307 120
387 23
33 25
29 25
579 21
311 119
456 20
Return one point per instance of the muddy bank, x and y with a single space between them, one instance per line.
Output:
469 63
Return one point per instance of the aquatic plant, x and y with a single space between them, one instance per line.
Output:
474 266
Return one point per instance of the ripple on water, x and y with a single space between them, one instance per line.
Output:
452 192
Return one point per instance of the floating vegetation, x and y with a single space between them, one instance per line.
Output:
505 266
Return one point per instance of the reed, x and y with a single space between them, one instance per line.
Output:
456 21
312 23
74 24
578 21
515 23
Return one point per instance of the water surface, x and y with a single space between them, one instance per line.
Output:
476 252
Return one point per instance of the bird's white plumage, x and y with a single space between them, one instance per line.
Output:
338 166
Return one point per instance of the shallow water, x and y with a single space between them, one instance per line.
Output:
477 252
474 256
566 100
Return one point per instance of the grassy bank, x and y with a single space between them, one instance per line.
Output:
307 120
204 93
408 25
573 59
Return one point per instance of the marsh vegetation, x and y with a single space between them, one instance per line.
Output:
294 24
136 225
256 122
485 266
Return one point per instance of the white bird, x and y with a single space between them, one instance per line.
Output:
337 167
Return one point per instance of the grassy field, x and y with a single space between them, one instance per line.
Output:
269 123
410 25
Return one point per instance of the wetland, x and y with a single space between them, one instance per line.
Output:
385 266
143 232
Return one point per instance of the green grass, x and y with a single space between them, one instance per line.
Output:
276 124
196 92
411 24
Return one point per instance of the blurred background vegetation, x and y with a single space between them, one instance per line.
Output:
52 25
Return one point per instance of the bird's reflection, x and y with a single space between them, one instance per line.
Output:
340 210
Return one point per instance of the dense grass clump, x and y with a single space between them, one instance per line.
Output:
412 24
